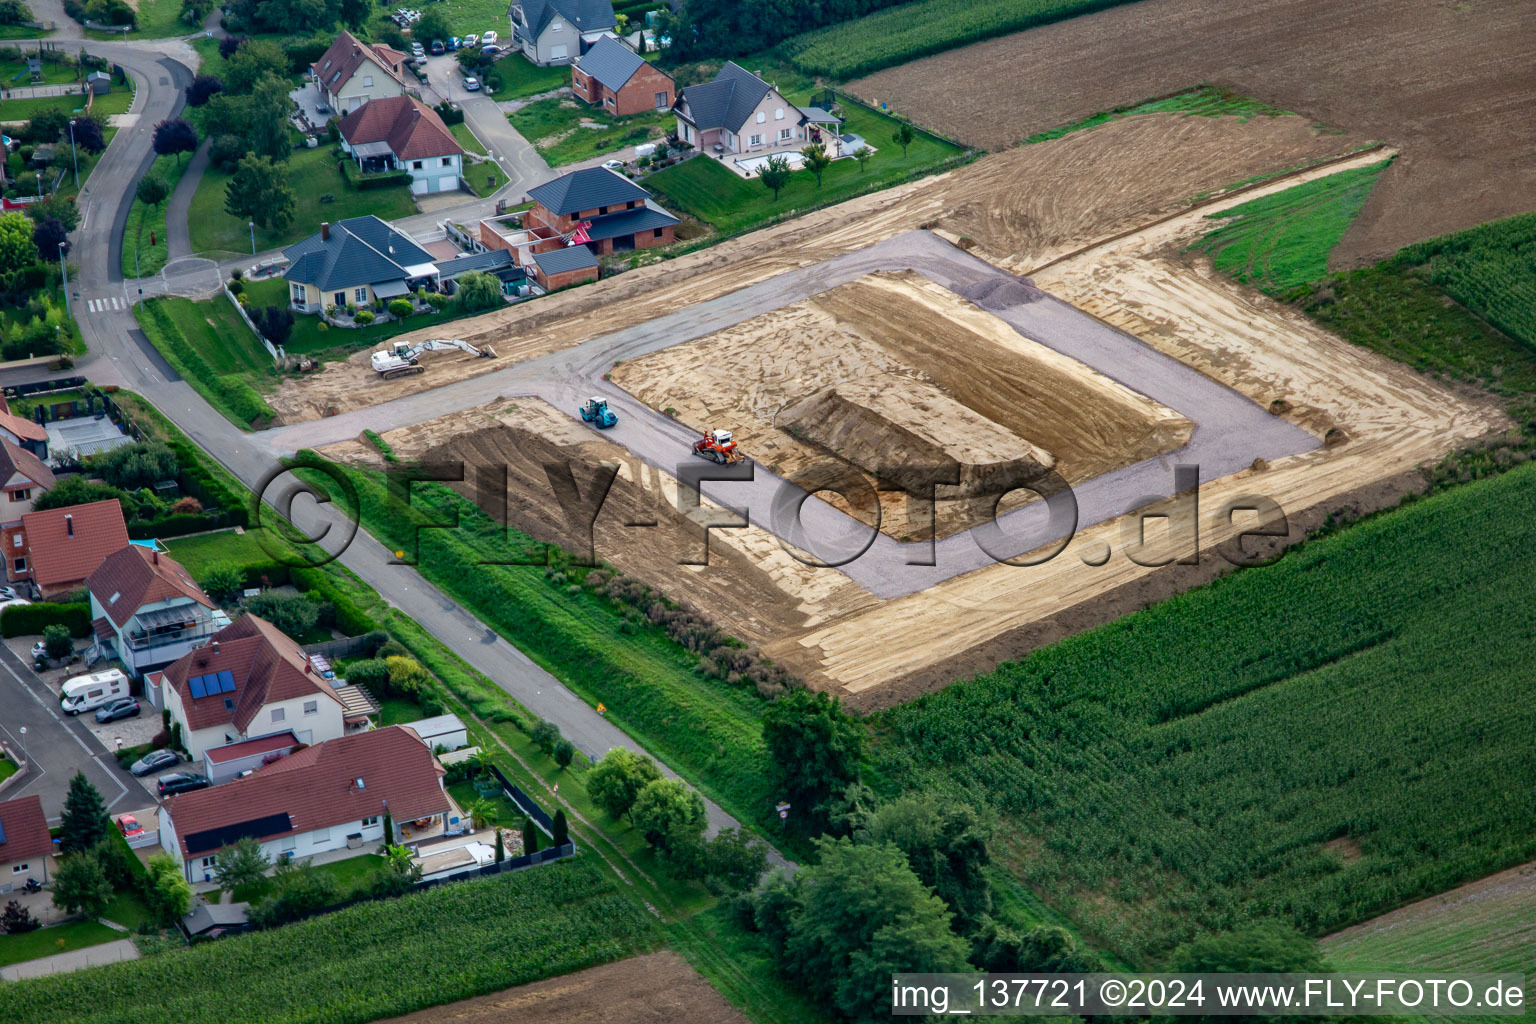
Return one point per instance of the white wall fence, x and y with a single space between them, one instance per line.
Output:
276 353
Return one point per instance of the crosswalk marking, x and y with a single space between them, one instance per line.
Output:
103 305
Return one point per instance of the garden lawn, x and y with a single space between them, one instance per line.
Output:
520 77
128 909
308 337
160 18
206 550
214 351
53 74
704 189
484 177
21 32
7 768
25 107
46 941
214 328
311 173
554 127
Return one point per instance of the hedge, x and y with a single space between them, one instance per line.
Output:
29 619
384 179
350 619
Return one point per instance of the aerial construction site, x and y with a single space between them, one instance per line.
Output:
963 404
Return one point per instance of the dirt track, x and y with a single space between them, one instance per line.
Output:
656 989
1451 85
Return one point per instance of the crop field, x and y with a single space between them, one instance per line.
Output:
1282 241
391 957
896 35
1435 81
1489 269
1485 926
1275 744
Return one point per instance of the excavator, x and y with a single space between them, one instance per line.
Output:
402 359
718 446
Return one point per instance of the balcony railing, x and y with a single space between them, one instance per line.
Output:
169 637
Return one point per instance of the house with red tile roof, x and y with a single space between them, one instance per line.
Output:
25 844
23 479
351 73
58 548
334 796
146 609
19 430
249 681
402 133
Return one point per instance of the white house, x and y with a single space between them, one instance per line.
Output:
742 114
250 681
402 133
333 796
559 31
352 73
147 611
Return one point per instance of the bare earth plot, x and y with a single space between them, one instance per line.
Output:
656 989
1450 85
1332 426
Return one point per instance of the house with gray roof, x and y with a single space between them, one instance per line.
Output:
598 208
612 76
357 262
559 31
742 117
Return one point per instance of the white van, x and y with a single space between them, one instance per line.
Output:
86 693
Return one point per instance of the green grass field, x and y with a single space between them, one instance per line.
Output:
312 174
145 248
22 108
13 75
902 33
1485 930
554 127
1281 242
1201 101
520 77
47 941
200 553
159 19
708 192
128 910
484 176
7 768
371 960
1191 766
210 346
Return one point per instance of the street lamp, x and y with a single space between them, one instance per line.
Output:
252 225
64 268
23 743
74 153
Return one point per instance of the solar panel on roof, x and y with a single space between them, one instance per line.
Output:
226 682
197 686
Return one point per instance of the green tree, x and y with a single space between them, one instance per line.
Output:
775 174
813 752
433 24
60 206
616 780
80 886
864 916
1264 948
132 466
1044 949
903 136
294 614
545 735
243 863
17 919
152 190
254 60
77 490
223 582
669 813
17 249
946 845
57 641
166 890
564 753
84 822
477 291
862 155
530 837
260 192
816 161
561 830
730 863
266 125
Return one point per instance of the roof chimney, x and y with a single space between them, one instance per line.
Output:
215 647
325 231
69 523
154 554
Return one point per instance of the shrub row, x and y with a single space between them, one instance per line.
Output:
350 619
363 182
29 619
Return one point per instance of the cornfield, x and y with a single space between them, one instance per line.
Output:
899 34
360 964
1317 741
1489 269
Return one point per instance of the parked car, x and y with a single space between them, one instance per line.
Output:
471 40
127 707
489 51
153 760
8 592
453 43
418 51
130 826
181 782
12 601
614 165
39 650
488 38
437 47
471 83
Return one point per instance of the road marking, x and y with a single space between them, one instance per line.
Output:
52 713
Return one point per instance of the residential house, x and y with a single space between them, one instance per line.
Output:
220 764
446 731
401 133
559 31
147 611
330 797
499 263
740 113
250 681
355 262
22 432
561 268
25 844
58 548
23 478
352 73
599 208
612 76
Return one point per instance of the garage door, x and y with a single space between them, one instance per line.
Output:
448 183
418 186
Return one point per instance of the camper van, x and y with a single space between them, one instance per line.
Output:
86 693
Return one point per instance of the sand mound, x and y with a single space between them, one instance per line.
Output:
914 435
998 293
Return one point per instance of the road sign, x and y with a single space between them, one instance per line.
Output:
781 808
783 814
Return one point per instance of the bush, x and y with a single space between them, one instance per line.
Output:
223 582
133 466
57 640
400 308
350 619
363 317
291 613
33 619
